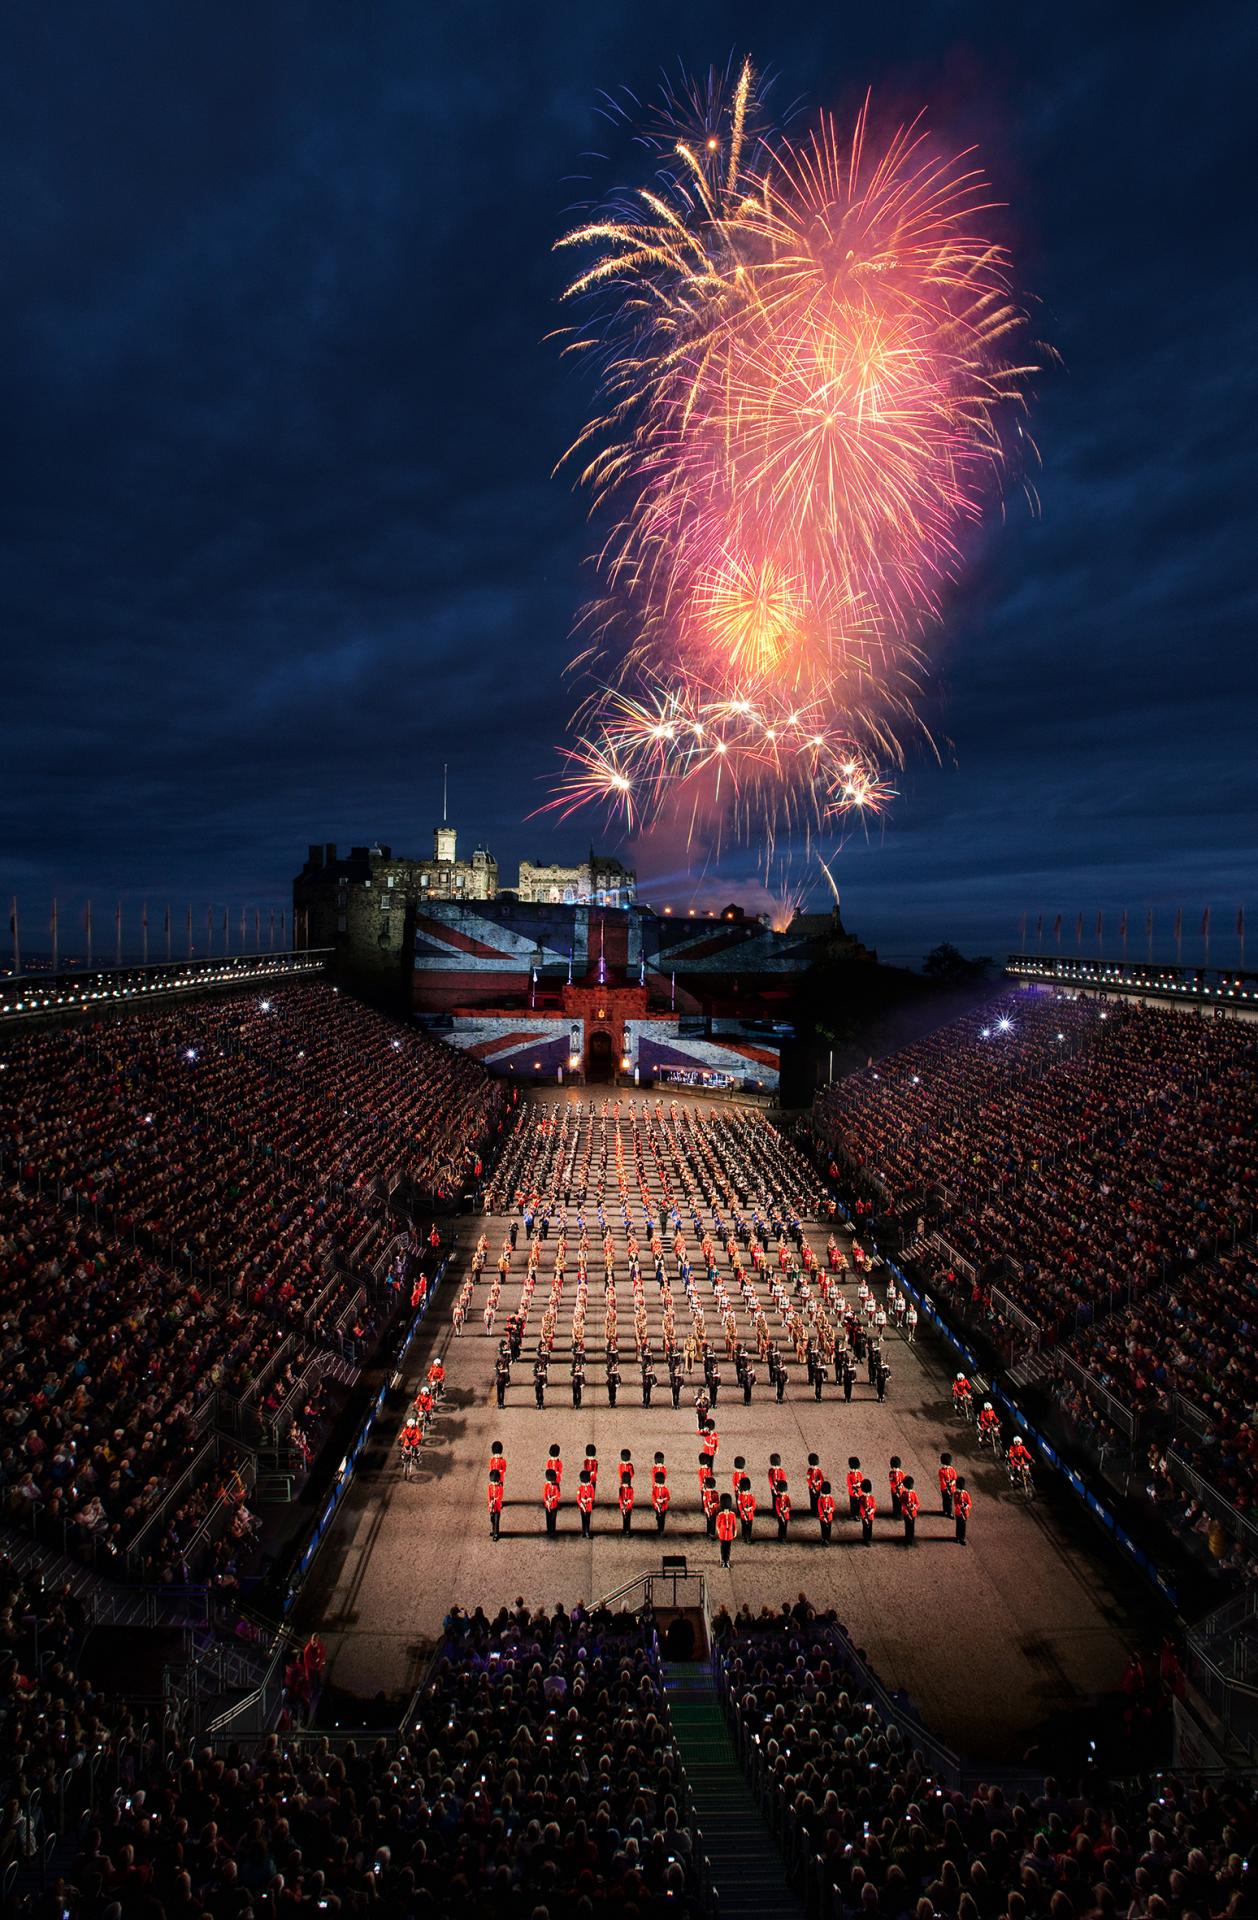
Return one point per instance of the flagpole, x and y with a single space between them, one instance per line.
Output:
189 930
117 933
53 930
168 932
17 938
1148 927
144 931
87 928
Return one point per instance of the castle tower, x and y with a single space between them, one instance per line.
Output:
444 836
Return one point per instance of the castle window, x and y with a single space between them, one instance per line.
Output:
385 903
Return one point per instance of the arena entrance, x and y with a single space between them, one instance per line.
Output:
598 1066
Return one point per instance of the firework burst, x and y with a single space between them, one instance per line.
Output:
810 359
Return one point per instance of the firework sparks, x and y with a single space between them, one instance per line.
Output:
809 352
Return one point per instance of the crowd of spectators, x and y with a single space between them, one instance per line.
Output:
180 1190
1085 1149
538 1779
872 1829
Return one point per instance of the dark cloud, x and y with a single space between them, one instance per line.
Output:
278 533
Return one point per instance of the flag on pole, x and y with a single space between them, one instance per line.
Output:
209 929
1099 929
227 931
144 930
284 927
87 930
1057 930
1022 933
257 929
272 930
117 933
1148 930
1240 933
243 929
17 938
166 929
52 933
1079 930
1039 931
1205 932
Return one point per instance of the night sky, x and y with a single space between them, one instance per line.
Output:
279 533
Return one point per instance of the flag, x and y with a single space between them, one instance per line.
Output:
272 929
1022 930
144 930
52 934
209 929
1057 929
1122 926
1205 924
17 938
117 933
1099 926
1039 931
1079 930
1240 923
87 930
257 929
1179 923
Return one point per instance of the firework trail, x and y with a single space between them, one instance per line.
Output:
811 375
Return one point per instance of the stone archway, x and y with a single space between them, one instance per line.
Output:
600 1064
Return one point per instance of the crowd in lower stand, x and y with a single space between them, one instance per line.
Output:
538 1775
1079 1175
192 1203
872 1825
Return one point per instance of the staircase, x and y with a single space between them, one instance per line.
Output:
747 1869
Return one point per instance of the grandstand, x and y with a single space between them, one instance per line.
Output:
232 1253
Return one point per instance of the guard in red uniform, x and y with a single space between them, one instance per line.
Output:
825 1512
777 1475
711 1439
896 1476
726 1527
711 1505
782 1508
437 1378
740 1469
591 1464
585 1501
625 1500
868 1508
910 1504
962 1507
494 1499
550 1500
498 1461
815 1481
555 1460
746 1504
660 1498
625 1469
947 1483
853 1487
